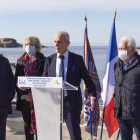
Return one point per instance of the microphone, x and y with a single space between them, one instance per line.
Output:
48 59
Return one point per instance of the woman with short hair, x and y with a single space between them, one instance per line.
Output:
31 63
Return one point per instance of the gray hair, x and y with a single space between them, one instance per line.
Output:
66 35
32 39
130 42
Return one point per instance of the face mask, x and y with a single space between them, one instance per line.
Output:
29 49
123 55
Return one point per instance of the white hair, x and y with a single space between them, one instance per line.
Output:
130 42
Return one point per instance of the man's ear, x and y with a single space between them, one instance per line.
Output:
68 43
133 49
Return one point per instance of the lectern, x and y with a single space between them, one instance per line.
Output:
47 95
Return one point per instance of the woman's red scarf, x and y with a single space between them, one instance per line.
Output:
29 69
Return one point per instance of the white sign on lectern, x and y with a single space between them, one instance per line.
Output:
41 82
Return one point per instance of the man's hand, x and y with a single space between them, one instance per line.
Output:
92 101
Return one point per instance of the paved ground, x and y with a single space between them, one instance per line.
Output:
20 136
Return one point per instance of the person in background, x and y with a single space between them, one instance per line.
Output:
73 71
31 63
7 93
127 89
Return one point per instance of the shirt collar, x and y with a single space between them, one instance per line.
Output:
130 61
65 54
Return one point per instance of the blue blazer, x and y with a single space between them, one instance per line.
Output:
75 71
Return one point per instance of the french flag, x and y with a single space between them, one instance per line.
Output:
108 84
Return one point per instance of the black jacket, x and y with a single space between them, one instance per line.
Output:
7 89
23 105
127 89
75 72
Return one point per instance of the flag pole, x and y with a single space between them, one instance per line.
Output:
115 14
118 134
101 130
103 117
115 18
88 72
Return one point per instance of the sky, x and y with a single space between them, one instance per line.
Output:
44 18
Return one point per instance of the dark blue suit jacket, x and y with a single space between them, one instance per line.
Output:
75 71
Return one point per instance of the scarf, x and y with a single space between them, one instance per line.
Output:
29 69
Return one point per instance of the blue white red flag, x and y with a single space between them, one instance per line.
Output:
108 84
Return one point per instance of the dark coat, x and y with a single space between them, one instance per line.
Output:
23 105
7 89
127 89
75 71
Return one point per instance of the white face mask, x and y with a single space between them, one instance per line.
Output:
123 54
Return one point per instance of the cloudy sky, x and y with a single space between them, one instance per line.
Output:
44 18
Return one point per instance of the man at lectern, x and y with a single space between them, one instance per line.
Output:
72 68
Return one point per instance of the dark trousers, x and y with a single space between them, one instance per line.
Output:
3 119
72 120
126 128
27 125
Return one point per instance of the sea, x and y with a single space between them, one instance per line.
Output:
99 55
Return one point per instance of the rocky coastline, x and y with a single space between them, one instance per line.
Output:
11 43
